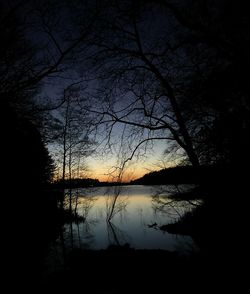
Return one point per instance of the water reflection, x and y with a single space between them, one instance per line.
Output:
163 202
114 203
116 236
125 215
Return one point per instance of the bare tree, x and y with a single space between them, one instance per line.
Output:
139 64
70 138
155 65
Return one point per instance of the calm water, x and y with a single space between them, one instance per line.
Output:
138 212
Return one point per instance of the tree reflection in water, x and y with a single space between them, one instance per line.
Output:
109 220
174 200
116 236
78 233
115 202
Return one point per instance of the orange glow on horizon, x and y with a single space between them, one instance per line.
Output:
128 176
105 168
103 173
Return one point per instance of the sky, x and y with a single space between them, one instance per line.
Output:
100 167
153 160
101 163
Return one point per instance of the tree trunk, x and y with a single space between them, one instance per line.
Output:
188 144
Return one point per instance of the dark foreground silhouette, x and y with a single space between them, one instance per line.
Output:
125 270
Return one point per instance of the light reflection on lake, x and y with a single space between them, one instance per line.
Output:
136 219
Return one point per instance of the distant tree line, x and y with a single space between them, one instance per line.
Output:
182 175
76 183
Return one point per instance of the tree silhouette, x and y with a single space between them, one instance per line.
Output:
137 72
168 71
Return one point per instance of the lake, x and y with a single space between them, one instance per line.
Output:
135 214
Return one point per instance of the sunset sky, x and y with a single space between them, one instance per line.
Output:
154 159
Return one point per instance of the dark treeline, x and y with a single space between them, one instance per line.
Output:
76 183
31 219
82 183
182 175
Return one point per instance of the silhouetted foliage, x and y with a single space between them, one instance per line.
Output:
32 218
181 175
26 173
217 95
